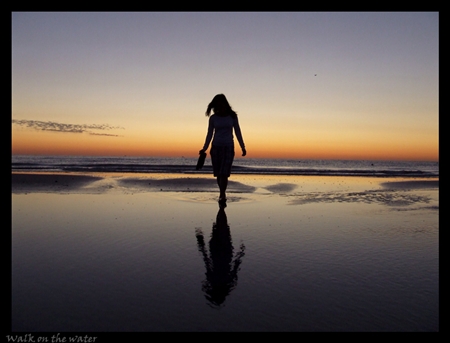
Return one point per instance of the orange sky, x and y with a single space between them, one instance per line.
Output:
28 141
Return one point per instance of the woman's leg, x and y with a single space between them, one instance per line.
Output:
222 181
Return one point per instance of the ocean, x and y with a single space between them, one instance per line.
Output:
186 165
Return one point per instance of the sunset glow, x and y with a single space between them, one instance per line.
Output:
304 85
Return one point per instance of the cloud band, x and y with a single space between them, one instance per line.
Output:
70 128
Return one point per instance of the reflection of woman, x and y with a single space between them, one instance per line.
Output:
221 124
221 267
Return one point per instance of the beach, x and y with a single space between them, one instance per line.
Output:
153 252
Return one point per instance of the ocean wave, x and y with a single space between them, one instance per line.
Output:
241 166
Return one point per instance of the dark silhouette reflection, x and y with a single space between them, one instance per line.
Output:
221 266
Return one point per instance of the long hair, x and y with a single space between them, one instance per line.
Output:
220 99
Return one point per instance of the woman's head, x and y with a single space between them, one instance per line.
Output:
220 105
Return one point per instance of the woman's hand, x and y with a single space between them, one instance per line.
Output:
244 152
201 151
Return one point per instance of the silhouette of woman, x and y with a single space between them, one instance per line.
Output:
221 125
221 268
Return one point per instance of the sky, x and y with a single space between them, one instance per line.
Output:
306 85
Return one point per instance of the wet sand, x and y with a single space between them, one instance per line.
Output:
123 252
82 182
294 189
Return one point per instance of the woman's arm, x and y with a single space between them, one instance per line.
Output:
237 131
209 134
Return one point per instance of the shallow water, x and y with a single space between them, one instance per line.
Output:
132 262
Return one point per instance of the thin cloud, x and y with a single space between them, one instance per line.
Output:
103 134
67 128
